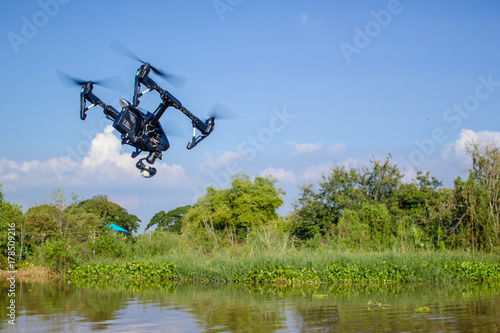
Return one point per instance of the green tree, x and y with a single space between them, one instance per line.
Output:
318 211
476 218
380 226
423 211
110 212
171 221
244 205
376 188
380 180
62 217
10 215
39 225
351 231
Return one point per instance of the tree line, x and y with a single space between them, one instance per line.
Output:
65 220
365 208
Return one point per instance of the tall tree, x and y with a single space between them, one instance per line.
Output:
171 221
477 200
244 205
110 212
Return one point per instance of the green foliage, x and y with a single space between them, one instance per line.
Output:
381 180
386 271
379 224
171 221
10 215
353 209
298 266
245 205
108 244
372 208
476 213
474 271
274 237
155 243
110 212
61 254
319 211
351 231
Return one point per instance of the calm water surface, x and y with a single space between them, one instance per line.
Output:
172 307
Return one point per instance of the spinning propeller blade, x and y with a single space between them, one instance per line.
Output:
221 112
114 83
175 80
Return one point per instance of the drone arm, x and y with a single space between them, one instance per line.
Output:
86 95
168 100
142 77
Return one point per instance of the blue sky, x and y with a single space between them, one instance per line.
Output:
315 83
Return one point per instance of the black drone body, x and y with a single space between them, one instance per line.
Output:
139 128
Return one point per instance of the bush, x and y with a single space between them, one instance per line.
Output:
108 244
59 255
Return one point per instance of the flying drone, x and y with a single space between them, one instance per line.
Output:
139 128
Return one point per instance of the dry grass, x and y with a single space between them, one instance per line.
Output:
31 274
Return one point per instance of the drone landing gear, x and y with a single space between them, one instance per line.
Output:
146 170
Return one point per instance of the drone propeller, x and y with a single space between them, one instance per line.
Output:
175 80
222 112
114 83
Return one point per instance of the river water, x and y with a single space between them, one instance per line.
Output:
182 307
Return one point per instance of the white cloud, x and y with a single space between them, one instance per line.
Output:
458 149
220 161
280 174
105 157
305 148
104 165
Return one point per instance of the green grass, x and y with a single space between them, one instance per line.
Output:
298 266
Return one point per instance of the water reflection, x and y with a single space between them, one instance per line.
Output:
180 307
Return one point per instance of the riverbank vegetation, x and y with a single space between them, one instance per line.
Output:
361 224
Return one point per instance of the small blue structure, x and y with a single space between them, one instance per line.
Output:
115 227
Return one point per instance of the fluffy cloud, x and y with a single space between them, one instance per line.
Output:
280 174
458 149
305 148
104 165
310 148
